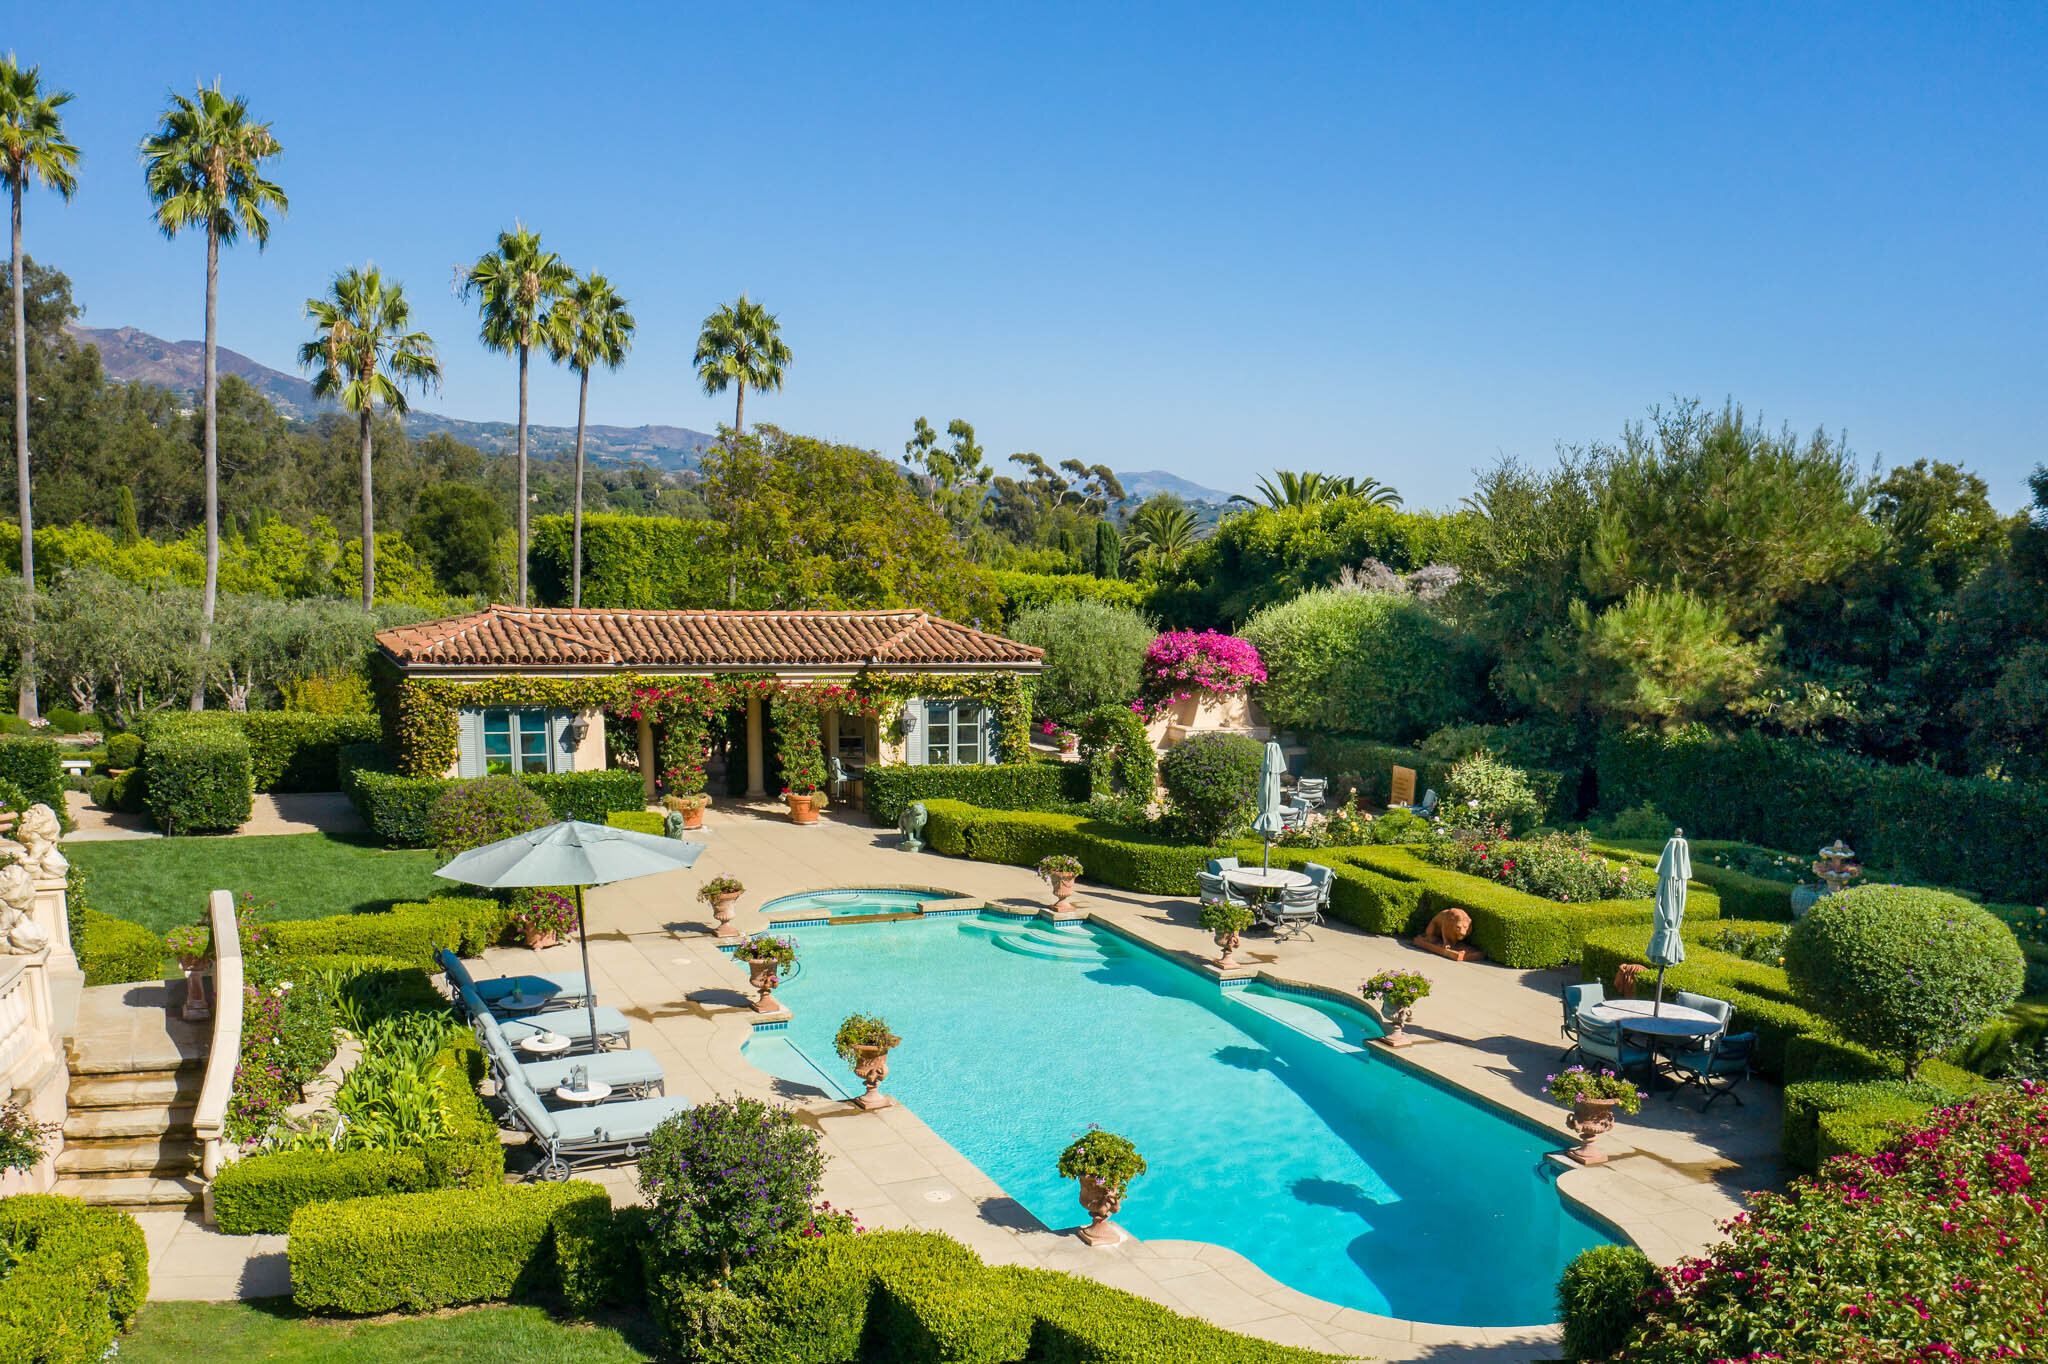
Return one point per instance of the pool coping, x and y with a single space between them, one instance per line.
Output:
1543 1122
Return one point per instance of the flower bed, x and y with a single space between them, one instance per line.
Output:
1559 867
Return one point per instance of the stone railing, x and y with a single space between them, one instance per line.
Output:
210 1116
32 1069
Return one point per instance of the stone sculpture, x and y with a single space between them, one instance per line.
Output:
911 823
1625 978
674 822
1446 936
38 833
19 932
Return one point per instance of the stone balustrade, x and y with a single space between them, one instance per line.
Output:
210 1116
33 1074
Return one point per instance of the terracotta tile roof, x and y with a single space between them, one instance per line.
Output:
539 637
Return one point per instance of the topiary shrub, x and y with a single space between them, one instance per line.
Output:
725 1182
199 780
1482 788
1094 655
1213 781
124 751
473 813
76 1275
1597 1297
1902 970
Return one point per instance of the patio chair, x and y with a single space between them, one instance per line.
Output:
633 1074
574 1139
613 1030
1312 793
1706 1004
1717 1069
560 990
1603 1044
1577 997
1219 865
1426 807
1300 906
1216 891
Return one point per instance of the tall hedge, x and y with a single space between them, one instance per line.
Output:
889 787
629 562
1027 591
1364 663
1972 832
1094 655
34 763
199 780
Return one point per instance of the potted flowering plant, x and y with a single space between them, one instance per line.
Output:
543 918
690 807
192 945
1105 1163
1059 871
864 1043
722 893
1069 741
1396 992
801 747
1226 920
766 958
1592 1096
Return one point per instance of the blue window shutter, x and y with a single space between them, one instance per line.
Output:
989 754
469 743
915 754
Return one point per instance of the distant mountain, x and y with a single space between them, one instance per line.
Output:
1143 485
133 356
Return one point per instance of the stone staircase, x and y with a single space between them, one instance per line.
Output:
136 1068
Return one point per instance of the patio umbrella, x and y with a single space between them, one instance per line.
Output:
576 854
1269 821
1667 949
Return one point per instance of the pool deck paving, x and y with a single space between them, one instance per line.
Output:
1488 1030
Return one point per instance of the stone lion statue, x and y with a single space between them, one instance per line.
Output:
1627 978
19 931
38 833
1449 928
911 823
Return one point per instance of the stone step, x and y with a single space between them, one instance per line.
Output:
136 1089
136 1155
134 1193
134 1029
89 1124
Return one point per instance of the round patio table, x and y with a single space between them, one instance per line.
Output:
597 1093
518 1003
1268 881
544 1044
1633 1015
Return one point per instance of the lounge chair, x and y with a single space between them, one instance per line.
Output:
1602 1044
1577 997
1299 906
613 1030
573 1139
1717 1069
1311 793
1426 807
1216 891
632 1074
558 990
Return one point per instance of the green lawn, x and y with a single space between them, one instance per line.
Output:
163 882
179 1332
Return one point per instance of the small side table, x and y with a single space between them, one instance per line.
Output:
545 1044
518 1003
597 1093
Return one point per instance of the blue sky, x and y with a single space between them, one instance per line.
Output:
1395 241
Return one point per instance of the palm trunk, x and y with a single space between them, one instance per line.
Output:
211 447
369 519
576 514
739 411
27 693
522 473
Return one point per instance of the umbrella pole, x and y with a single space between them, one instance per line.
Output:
589 995
1266 862
1655 1009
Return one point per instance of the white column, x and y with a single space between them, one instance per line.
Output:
646 756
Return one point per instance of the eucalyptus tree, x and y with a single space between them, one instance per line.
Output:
363 355
741 346
203 167
33 149
587 326
514 285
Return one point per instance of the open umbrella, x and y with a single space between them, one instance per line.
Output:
1666 947
1270 821
571 853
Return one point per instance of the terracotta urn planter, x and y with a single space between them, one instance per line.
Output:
1228 943
803 808
537 938
721 910
1062 891
1589 1118
1397 1027
1070 745
872 1066
692 813
764 975
198 994
1101 1202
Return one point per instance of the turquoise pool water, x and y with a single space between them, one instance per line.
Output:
1267 1127
828 903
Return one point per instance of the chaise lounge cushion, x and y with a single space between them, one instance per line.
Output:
573 1024
599 1123
619 1069
555 986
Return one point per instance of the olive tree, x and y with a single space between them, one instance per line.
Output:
1094 655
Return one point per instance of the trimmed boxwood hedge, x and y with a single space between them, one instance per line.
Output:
933 1300
888 787
410 932
81 1275
1742 896
199 779
399 809
424 1251
289 750
638 821
113 951
34 763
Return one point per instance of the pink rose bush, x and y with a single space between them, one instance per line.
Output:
1181 663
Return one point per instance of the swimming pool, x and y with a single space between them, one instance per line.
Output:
856 901
1268 1127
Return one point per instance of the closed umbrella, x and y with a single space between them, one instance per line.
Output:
1270 822
1667 948
576 854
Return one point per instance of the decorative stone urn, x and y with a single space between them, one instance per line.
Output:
684 812
1101 1202
1589 1118
1070 745
1062 891
1397 1027
721 910
198 988
1228 961
872 1066
803 807
764 975
537 938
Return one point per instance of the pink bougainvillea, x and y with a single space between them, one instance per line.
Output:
1181 663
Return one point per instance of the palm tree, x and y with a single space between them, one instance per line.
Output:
32 147
1163 529
512 285
203 167
362 354
741 344
588 326
1291 490
1370 491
